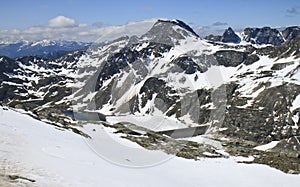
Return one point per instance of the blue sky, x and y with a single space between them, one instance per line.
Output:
22 14
237 14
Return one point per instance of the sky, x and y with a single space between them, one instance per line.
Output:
18 17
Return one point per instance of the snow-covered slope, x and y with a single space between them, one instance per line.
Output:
33 150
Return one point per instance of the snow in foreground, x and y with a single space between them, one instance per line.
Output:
53 157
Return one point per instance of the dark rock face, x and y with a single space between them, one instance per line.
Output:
185 26
272 122
260 36
7 65
186 64
288 48
232 58
125 57
229 36
265 35
291 32
154 86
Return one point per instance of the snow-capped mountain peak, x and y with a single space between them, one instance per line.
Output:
169 32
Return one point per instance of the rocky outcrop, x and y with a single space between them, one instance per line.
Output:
259 36
228 36
291 32
288 48
233 58
265 35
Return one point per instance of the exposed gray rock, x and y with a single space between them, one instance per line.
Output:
233 58
265 35
291 32
228 36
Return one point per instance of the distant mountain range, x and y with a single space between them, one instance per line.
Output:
244 86
258 36
43 48
53 49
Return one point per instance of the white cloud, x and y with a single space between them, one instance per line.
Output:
293 11
98 24
203 31
130 29
61 21
219 23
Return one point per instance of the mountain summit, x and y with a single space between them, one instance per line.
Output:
229 36
169 32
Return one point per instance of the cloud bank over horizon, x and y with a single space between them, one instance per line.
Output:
64 28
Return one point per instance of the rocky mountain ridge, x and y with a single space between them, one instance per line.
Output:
247 95
258 36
